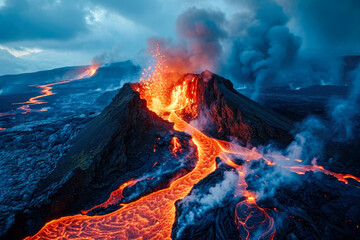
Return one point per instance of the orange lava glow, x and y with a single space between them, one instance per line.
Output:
115 196
302 169
6 114
253 222
46 89
152 216
176 145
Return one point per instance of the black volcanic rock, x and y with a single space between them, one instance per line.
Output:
207 212
309 206
226 114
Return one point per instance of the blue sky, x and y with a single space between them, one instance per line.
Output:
43 34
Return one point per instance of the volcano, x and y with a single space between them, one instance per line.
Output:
175 157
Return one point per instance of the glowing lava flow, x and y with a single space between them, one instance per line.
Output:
46 90
152 216
176 146
302 169
115 196
252 221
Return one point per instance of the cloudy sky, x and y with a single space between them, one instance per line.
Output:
43 34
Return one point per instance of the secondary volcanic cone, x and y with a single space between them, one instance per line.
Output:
179 100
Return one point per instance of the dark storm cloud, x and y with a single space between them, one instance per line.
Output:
40 19
331 24
156 15
296 43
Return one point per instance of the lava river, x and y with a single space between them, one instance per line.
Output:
46 90
152 216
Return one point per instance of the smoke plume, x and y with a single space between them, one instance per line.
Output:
257 45
261 44
197 203
344 112
198 45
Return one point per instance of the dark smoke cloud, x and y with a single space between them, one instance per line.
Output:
328 30
198 45
255 46
261 44
330 25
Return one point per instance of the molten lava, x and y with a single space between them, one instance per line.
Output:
115 196
176 145
46 90
152 216
253 222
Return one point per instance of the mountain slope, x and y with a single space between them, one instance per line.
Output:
231 114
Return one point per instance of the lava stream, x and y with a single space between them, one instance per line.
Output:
115 196
46 90
253 222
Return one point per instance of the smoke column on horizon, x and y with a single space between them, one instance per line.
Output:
260 44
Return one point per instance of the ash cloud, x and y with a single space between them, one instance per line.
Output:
269 45
261 44
197 47
328 25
